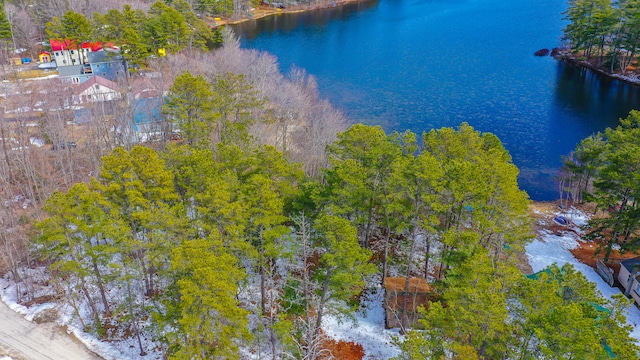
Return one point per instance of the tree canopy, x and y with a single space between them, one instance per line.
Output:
605 169
216 230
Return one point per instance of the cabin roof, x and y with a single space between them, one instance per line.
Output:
416 285
95 79
630 263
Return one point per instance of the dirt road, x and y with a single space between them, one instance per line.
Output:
24 340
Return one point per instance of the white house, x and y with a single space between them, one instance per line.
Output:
628 278
67 52
97 89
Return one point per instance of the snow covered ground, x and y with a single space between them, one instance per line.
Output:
126 349
548 248
543 251
368 329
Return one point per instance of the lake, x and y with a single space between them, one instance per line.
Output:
420 65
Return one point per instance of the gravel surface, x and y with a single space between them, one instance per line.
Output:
24 340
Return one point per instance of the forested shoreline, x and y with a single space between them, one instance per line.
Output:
604 36
255 212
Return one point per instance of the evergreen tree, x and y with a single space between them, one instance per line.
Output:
78 238
73 27
167 27
209 324
189 107
5 26
617 188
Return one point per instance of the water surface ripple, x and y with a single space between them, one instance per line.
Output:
426 64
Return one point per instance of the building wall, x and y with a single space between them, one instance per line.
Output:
75 79
67 57
393 308
113 70
97 93
44 58
623 278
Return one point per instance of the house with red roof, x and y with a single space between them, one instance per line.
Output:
77 63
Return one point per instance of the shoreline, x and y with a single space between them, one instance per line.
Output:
566 56
263 11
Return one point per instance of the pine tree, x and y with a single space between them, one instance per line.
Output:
78 238
189 107
209 322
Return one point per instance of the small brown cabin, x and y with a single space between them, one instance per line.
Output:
420 292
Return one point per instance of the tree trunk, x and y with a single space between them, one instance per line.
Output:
92 305
427 255
323 300
385 256
403 311
134 322
101 287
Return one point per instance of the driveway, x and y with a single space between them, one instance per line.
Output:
24 340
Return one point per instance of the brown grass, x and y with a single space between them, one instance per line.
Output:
30 74
342 350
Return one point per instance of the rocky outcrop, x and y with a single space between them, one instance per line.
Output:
542 52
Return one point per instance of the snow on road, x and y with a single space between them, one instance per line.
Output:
24 340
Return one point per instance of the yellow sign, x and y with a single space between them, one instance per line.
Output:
162 52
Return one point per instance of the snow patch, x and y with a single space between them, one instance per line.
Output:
367 329
116 350
549 248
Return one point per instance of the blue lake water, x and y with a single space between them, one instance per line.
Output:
423 64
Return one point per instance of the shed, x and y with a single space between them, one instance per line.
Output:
419 294
44 57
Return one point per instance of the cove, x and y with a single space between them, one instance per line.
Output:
423 64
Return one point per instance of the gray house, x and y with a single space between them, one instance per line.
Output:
73 74
108 63
628 278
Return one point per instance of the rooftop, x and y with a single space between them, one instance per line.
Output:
416 285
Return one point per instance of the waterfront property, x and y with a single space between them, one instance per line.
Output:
629 278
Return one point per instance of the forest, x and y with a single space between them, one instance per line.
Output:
222 247
23 22
605 33
604 170
257 212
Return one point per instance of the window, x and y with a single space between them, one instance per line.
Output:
75 80
104 74
57 53
71 52
109 64
96 87
97 65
